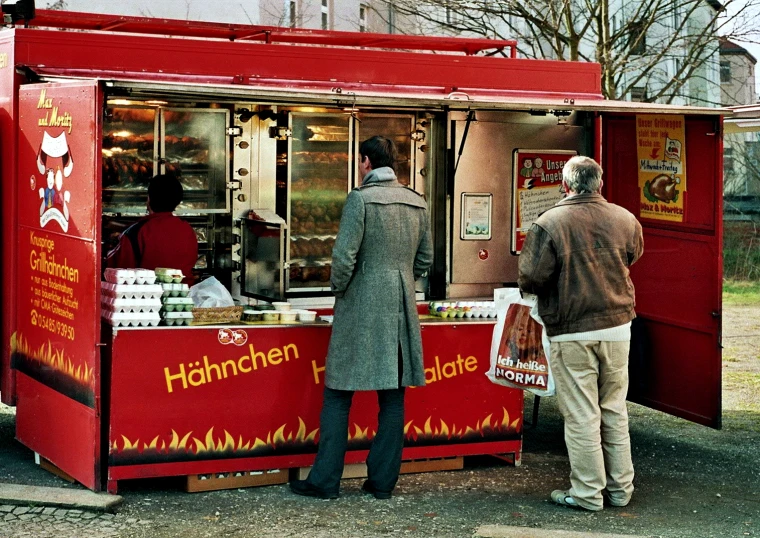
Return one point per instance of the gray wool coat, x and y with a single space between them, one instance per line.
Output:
383 245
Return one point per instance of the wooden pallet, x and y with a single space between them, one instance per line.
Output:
233 480
359 470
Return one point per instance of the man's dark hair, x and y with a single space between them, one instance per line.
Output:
165 193
381 152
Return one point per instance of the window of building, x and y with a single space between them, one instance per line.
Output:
637 38
391 18
325 15
728 159
725 71
451 14
292 13
639 94
362 17
676 15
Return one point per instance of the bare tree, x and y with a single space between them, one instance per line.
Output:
58 5
652 48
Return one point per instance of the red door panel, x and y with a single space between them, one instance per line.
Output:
58 318
675 349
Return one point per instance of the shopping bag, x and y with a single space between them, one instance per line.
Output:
520 347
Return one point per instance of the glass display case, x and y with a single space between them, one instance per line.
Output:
129 157
139 142
320 176
397 127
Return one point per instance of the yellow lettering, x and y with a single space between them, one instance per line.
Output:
210 367
471 363
170 378
231 363
431 378
240 364
197 376
274 353
287 348
255 355
317 371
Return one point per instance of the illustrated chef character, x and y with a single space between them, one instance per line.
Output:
53 195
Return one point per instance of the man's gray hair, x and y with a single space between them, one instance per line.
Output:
583 175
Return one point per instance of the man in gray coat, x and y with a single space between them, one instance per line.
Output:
383 246
575 259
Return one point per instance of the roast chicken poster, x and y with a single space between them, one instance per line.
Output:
660 142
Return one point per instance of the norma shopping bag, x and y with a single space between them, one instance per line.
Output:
520 347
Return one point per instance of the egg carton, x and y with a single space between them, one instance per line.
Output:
167 275
130 276
178 304
119 304
175 290
177 318
131 291
131 319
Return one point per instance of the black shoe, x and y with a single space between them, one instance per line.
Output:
367 487
302 487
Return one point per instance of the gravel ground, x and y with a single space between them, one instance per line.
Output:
691 482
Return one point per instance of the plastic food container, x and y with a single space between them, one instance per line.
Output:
251 315
288 316
281 306
307 316
270 315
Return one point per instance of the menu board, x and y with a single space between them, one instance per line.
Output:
536 186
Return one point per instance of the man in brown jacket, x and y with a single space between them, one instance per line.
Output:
575 259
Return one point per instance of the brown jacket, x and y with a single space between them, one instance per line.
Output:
575 259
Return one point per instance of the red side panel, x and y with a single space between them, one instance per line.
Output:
8 189
58 275
58 428
675 353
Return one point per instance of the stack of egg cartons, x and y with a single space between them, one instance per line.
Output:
177 307
130 298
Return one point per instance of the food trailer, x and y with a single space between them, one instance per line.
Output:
262 127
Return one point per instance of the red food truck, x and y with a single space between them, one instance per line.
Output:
262 127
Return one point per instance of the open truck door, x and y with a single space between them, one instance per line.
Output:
53 352
675 362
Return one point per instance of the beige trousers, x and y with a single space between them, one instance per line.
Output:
592 382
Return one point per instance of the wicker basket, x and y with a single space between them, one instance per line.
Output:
217 315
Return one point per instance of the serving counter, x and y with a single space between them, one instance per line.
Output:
190 400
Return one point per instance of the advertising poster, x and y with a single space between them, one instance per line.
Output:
660 141
57 262
536 186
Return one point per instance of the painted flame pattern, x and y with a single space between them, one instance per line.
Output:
53 359
214 445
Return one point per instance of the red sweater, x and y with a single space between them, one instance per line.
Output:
163 240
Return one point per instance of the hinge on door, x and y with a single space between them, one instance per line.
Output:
234 185
234 131
280 133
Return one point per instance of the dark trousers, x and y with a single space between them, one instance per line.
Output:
384 460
